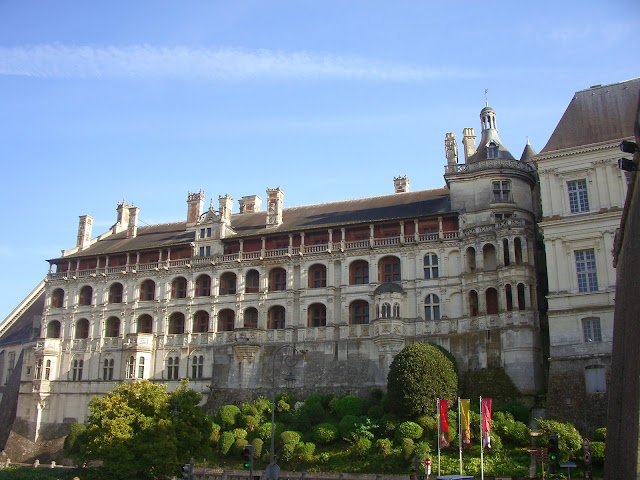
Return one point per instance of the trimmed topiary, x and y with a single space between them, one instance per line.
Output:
409 430
304 451
384 447
325 433
258 445
600 435
225 442
349 405
227 416
361 447
418 376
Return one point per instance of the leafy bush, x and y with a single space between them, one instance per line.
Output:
325 433
409 430
215 432
348 426
600 435
227 416
511 431
225 442
248 409
428 423
360 447
288 441
349 405
250 422
597 453
520 412
375 411
258 445
304 451
238 446
569 439
264 430
74 443
407 446
388 424
384 447
418 376
422 450
489 382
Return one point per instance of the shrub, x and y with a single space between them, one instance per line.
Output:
569 439
225 442
288 441
239 433
409 430
384 447
597 453
325 433
349 405
388 424
511 431
262 405
74 443
407 446
428 423
375 411
215 432
250 422
248 409
238 446
520 412
258 445
227 415
489 382
264 430
600 435
304 451
418 376
360 447
422 450
348 426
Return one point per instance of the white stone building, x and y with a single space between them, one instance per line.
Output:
211 298
583 193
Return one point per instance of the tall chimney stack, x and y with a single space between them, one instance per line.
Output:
469 142
84 231
132 230
401 184
195 202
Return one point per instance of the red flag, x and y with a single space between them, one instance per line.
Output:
444 423
486 422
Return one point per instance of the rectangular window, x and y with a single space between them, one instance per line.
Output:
208 251
202 251
578 198
209 232
586 270
591 330
501 191
202 233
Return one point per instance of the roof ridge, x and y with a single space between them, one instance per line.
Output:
600 86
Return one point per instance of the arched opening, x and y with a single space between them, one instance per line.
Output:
389 269
489 257
226 320
359 273
317 315
521 303
200 322
471 259
57 298
473 303
251 317
176 323
317 276
145 324
505 251
112 327
147 290
509 297
115 293
276 318
227 284
491 296
517 243
179 287
203 286
82 328
277 279
252 282
86 295
53 329
359 312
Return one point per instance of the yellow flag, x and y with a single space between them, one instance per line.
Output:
465 422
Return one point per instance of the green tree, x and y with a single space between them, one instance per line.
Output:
418 376
140 431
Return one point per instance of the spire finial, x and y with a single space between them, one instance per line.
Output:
486 99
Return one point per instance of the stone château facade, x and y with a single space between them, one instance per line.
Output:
213 297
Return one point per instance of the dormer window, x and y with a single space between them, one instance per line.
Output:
492 150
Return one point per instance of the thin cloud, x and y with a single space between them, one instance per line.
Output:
145 61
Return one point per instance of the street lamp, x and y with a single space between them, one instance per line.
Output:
290 379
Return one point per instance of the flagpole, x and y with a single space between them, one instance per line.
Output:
438 420
481 441
460 435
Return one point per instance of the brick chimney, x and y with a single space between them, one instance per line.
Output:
132 230
195 202
274 207
122 221
84 231
469 142
401 184
250 204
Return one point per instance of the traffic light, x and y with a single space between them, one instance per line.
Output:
187 471
554 453
247 456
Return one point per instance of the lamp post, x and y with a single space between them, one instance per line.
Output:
290 379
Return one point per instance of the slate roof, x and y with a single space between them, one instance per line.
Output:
595 115
349 212
21 329
528 153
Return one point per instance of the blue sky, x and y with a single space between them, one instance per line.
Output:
148 100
